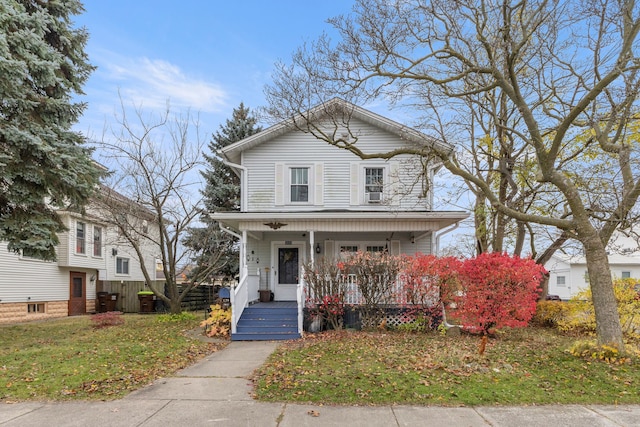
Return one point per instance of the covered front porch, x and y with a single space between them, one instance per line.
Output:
274 247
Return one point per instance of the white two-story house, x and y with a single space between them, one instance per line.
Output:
302 199
91 257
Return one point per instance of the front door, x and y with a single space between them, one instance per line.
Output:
77 293
287 271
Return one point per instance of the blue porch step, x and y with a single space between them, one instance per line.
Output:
263 323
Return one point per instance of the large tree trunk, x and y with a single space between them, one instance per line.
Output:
608 327
480 218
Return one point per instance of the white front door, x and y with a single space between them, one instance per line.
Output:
288 260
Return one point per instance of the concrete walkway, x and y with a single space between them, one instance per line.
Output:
216 392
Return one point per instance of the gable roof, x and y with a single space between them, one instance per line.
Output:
233 151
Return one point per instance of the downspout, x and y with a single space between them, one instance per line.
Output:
442 233
243 178
242 244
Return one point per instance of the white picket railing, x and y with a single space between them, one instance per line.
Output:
239 300
353 295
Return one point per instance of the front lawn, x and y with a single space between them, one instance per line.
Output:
68 359
522 367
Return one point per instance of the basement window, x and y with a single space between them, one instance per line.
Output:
37 307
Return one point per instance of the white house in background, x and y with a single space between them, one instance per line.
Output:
91 258
303 199
568 274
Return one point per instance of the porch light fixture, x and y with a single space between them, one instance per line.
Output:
274 225
318 248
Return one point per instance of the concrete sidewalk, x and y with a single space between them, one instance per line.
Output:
216 392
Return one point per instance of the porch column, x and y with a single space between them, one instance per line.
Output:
312 250
243 254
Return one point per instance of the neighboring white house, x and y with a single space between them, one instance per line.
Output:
91 258
568 274
303 199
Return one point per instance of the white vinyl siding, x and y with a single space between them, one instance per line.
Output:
27 279
336 175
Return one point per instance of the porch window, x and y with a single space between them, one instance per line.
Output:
299 184
376 248
81 228
122 265
97 241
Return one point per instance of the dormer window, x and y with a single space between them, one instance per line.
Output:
300 185
374 183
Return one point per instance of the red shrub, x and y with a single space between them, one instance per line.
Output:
426 280
110 318
497 290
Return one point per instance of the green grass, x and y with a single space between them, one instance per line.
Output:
521 367
68 359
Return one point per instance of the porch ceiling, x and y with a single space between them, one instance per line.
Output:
338 221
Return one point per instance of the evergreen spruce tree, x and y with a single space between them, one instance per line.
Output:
221 193
44 165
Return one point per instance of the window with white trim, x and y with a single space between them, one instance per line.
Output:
122 265
561 280
347 251
626 275
373 184
376 248
81 230
299 185
97 241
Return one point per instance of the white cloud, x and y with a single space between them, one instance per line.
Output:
150 83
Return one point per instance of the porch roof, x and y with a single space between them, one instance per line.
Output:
339 221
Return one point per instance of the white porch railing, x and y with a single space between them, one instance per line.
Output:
353 296
239 300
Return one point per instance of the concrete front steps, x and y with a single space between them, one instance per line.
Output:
262 323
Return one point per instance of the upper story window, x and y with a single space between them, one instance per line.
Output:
374 182
81 230
299 184
122 265
97 241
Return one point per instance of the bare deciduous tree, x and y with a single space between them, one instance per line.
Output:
554 84
155 165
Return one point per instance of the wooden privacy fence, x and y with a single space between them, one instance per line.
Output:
199 298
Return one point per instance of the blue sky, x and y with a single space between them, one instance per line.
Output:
206 55
202 55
